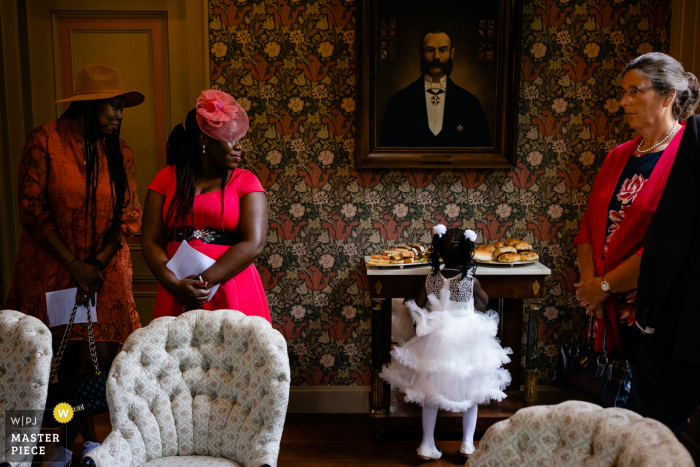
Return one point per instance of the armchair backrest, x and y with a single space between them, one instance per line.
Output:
25 365
576 433
209 383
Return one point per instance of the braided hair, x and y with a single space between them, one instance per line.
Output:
454 245
184 151
92 140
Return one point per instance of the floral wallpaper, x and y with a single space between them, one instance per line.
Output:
291 65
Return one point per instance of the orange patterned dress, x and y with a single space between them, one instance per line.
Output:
52 197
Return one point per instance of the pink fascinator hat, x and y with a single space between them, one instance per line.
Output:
220 116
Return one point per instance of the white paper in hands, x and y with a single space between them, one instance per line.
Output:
189 262
59 307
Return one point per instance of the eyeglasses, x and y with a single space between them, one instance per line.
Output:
633 90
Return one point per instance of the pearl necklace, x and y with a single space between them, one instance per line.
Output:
657 144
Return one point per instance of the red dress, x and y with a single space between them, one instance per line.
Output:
244 291
52 197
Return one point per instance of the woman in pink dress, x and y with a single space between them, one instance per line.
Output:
202 197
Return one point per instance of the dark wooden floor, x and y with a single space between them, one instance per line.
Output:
316 440
337 440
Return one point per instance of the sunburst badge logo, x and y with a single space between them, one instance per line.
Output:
63 413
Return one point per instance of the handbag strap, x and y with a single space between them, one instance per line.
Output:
91 342
579 335
605 332
576 344
64 343
605 335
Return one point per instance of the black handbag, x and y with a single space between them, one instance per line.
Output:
598 377
85 394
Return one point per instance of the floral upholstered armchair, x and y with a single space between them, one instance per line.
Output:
576 433
208 388
25 365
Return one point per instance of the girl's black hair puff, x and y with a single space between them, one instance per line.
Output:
435 255
453 245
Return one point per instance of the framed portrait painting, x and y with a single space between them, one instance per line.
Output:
437 83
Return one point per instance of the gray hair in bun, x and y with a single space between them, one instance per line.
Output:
666 75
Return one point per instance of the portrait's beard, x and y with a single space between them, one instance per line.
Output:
425 66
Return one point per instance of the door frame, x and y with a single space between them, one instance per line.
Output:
27 81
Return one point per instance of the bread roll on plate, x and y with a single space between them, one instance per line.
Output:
503 250
523 246
483 255
511 241
528 256
508 258
489 248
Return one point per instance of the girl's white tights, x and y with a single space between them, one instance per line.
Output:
430 417
469 424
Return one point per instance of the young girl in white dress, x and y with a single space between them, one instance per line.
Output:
455 361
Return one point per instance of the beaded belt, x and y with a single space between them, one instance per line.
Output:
206 235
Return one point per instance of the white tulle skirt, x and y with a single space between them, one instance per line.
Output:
454 361
402 329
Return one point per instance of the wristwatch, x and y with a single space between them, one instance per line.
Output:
604 285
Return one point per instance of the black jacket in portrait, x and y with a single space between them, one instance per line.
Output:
669 280
406 119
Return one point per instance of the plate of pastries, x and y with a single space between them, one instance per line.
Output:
510 251
412 254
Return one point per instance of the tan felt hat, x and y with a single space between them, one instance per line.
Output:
94 82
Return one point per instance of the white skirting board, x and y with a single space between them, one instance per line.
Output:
329 399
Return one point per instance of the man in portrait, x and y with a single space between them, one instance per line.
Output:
433 111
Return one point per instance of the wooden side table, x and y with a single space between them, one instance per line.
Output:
513 284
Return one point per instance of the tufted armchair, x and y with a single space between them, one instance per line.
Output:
208 388
576 433
25 366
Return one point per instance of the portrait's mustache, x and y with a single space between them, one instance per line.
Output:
445 67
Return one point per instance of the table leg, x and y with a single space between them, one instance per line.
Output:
511 337
531 374
500 317
379 390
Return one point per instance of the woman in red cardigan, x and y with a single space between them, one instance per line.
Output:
657 96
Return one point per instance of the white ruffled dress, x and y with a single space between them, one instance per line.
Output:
455 360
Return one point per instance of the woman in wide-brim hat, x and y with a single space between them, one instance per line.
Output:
78 205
